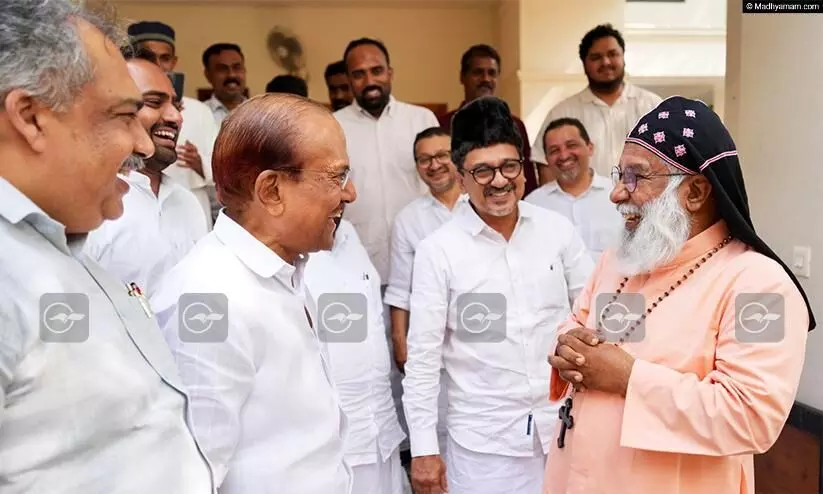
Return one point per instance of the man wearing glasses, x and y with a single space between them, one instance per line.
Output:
488 291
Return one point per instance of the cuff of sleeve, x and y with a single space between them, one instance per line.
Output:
396 297
424 443
641 427
557 386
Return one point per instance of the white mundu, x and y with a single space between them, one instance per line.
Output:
359 361
90 403
499 421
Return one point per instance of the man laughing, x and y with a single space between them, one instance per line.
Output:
162 220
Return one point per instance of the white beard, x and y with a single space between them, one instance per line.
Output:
663 230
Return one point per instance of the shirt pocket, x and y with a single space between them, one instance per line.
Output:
546 287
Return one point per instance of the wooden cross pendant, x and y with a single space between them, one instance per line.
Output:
568 421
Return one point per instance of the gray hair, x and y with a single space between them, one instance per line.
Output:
41 51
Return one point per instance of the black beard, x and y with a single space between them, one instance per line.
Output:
375 106
339 104
607 86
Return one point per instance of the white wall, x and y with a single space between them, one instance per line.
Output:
776 117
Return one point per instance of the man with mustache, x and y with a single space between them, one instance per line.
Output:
608 107
196 138
337 82
343 282
90 400
702 376
479 72
224 66
579 193
489 288
233 311
162 220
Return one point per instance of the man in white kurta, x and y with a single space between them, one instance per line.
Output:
234 311
359 360
608 107
161 219
489 289
193 167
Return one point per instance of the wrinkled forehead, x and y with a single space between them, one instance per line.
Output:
322 144
641 160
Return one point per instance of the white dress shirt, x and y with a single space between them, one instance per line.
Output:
496 390
153 234
360 369
381 152
592 213
263 406
198 128
105 414
606 125
415 222
218 109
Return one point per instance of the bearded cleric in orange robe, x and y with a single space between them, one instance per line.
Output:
686 346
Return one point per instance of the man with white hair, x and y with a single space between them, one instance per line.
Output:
90 400
685 349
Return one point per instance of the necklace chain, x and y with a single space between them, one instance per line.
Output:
668 292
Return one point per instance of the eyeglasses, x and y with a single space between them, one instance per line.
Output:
629 177
425 161
485 174
341 178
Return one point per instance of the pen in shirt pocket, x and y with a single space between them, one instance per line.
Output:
135 291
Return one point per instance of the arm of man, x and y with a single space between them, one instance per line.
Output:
742 405
12 336
421 386
577 263
218 378
398 290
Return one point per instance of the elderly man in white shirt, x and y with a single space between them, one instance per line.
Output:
90 399
233 311
346 304
380 132
198 132
579 193
161 220
489 289
608 106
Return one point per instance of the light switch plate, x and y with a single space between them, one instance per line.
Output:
801 261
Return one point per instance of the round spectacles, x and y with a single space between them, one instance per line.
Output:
342 178
629 177
425 161
485 174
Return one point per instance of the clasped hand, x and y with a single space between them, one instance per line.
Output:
586 361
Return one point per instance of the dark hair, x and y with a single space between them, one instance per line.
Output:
477 51
599 32
483 123
288 84
217 48
430 132
264 133
562 122
362 42
335 68
137 51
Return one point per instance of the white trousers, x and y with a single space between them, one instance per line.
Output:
383 477
470 472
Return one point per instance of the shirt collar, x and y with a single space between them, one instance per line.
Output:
253 253
598 182
629 92
433 202
389 111
216 104
17 207
474 224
